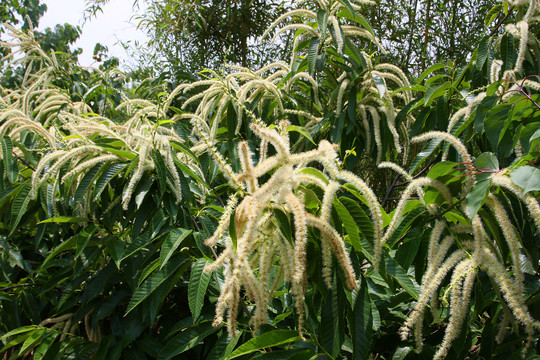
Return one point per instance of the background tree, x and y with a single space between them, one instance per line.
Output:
419 33
193 35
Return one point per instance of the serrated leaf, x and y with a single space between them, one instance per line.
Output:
330 327
19 205
361 322
424 154
301 130
494 123
69 244
106 177
7 155
171 243
322 21
154 280
223 347
428 71
483 51
186 340
313 50
140 241
64 220
486 162
350 225
316 173
477 196
198 282
161 169
266 340
32 340
84 237
396 271
527 178
17 331
86 182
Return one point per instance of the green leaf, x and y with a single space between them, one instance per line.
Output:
198 282
45 346
330 327
223 347
350 225
86 182
121 153
266 340
140 241
64 220
507 52
7 155
481 111
428 71
483 51
494 123
161 169
435 91
356 17
492 14
486 162
322 21
528 134
316 173
20 204
477 196
302 131
527 178
361 322
313 50
84 238
69 244
402 352
154 280
32 340
111 171
17 331
424 154
171 243
396 271
186 340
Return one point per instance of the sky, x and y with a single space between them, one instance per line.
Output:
115 25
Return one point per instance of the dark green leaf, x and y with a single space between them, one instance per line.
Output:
361 323
266 340
198 282
186 340
407 282
477 196
154 280
171 243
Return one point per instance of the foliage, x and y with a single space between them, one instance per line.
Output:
417 33
255 213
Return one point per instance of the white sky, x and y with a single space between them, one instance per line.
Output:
116 24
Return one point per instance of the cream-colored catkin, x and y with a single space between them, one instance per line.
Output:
429 290
511 237
458 145
462 284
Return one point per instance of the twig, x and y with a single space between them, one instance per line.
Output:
15 286
502 21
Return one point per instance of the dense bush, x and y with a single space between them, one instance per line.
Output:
325 206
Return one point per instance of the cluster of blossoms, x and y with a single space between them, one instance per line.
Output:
249 258
71 139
